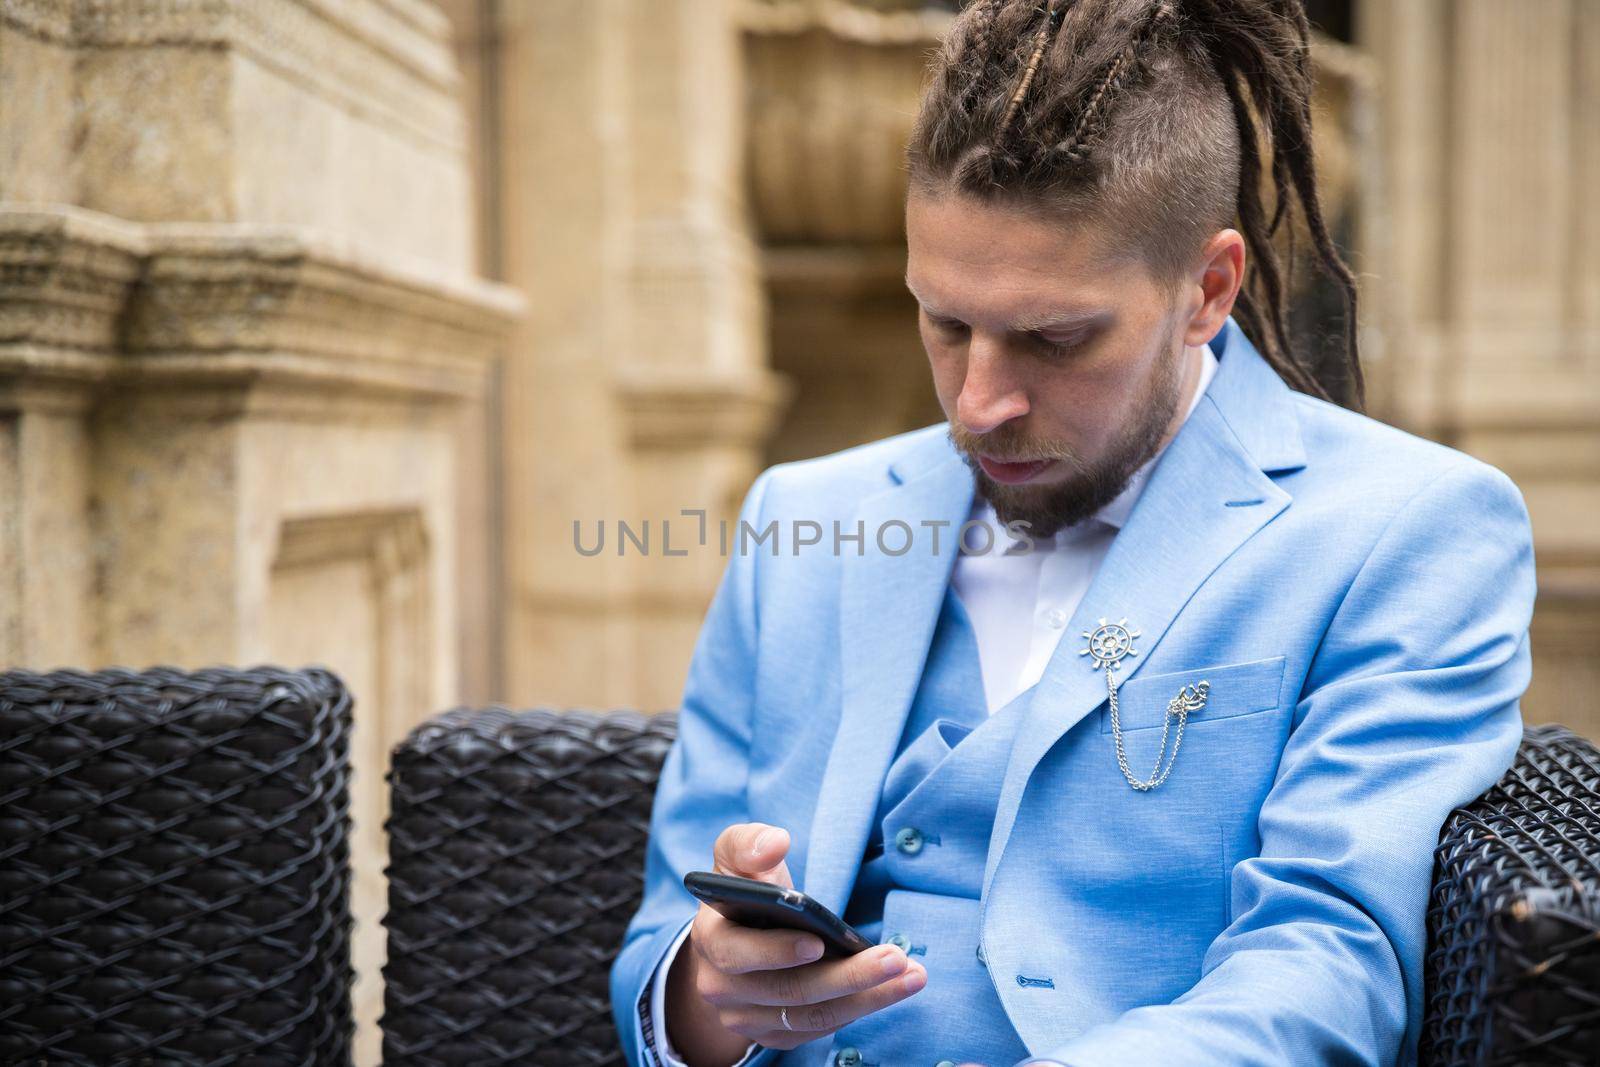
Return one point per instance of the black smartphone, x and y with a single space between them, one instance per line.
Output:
766 906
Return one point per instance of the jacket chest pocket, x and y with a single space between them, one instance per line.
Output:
1234 689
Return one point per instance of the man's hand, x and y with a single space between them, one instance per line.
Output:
729 989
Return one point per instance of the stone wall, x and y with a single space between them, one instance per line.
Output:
245 360
640 386
1484 275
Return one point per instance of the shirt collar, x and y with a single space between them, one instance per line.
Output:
1114 514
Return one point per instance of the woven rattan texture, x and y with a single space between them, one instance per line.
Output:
174 868
1513 965
516 853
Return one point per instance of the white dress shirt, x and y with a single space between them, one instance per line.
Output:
1013 647
1053 576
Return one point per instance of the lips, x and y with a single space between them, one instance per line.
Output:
1012 473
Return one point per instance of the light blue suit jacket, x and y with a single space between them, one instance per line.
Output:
1358 599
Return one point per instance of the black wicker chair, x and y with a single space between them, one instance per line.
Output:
174 868
516 853
1513 967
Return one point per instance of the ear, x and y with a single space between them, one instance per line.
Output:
1215 286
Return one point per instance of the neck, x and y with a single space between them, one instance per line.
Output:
1191 362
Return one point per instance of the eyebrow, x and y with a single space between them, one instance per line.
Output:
1071 317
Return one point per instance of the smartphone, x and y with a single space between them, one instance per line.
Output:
766 906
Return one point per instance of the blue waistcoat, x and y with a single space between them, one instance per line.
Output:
922 872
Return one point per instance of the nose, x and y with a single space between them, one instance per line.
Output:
989 395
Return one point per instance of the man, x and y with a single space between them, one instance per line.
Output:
1151 772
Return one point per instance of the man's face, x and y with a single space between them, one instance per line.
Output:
1059 368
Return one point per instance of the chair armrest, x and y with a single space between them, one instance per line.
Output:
175 867
1512 972
516 857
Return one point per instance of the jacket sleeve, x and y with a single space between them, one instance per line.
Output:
1410 709
701 789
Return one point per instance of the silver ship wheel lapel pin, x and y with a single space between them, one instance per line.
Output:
1109 644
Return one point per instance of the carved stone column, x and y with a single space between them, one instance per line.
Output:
65 277
639 386
834 89
1492 281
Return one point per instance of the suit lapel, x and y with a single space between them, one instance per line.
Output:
889 605
1208 494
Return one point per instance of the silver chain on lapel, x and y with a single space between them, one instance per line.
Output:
1108 644
1190 698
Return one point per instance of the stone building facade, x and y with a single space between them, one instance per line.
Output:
246 359
1484 273
323 321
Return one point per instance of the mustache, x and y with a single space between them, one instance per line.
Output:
1008 446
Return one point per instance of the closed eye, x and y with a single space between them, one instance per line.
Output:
1059 347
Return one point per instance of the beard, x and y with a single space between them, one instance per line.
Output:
1089 486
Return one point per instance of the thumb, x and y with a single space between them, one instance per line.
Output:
754 850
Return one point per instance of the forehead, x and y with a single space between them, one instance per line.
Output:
972 259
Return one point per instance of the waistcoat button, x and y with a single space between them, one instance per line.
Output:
847 1057
908 840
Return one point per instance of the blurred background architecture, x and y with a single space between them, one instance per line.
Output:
322 322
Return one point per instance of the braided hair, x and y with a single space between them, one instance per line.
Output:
1161 117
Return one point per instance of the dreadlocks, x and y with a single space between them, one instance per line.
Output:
1154 116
